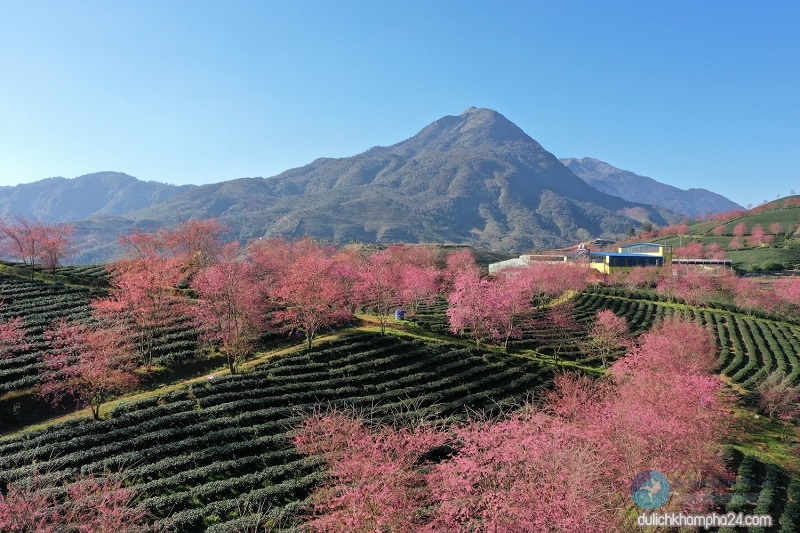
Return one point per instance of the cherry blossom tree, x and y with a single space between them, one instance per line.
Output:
532 472
740 230
675 229
787 291
559 318
229 311
420 285
775 228
420 255
777 395
608 334
90 364
548 281
666 388
675 345
56 245
89 504
501 306
756 236
508 306
270 259
467 306
140 244
193 244
715 251
12 337
719 231
692 249
24 239
652 233
143 298
642 277
750 297
376 484
735 243
695 288
668 285
309 293
456 263
663 408
416 278
380 282
347 265
197 243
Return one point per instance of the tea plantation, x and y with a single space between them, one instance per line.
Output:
210 456
40 305
216 455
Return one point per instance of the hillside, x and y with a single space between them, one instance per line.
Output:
40 305
783 252
218 452
473 179
215 454
636 188
101 193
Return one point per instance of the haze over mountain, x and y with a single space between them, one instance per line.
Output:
475 178
101 193
636 188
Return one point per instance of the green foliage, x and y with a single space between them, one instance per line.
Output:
790 519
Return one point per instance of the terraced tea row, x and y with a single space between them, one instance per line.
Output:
762 489
211 455
749 348
85 272
40 305
538 335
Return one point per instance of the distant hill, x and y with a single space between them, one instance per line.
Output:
782 253
636 188
778 249
474 179
101 193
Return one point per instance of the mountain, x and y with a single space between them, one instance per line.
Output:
102 193
636 188
473 179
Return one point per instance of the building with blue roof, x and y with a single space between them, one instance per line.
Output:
629 256
640 254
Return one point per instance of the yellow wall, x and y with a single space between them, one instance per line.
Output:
601 266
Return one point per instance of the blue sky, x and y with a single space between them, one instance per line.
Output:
692 93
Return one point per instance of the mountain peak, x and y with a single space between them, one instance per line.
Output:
472 128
